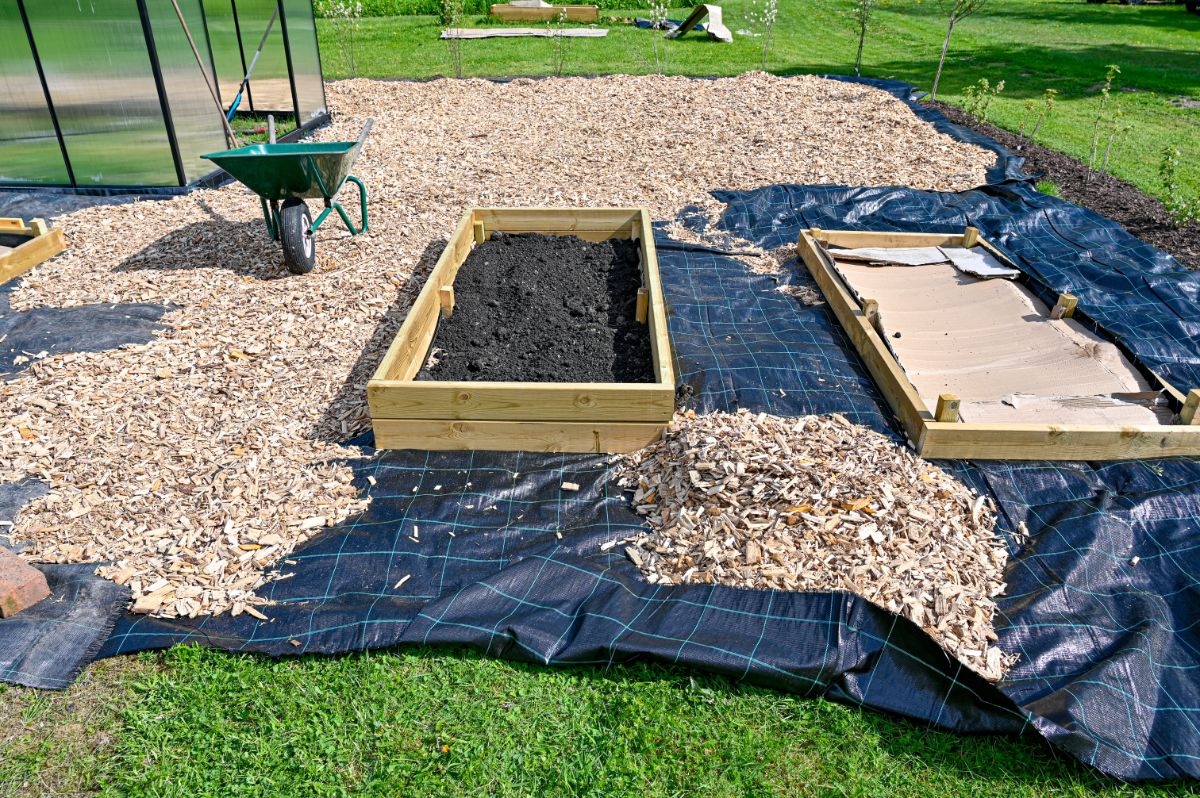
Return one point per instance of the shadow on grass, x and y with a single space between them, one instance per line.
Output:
1073 73
1167 16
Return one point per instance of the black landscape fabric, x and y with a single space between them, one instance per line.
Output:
1102 594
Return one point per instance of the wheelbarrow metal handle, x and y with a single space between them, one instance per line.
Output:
361 138
366 129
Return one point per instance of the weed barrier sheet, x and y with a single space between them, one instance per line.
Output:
509 563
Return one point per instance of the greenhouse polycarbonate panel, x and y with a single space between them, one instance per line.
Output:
269 85
306 61
226 51
196 117
94 55
29 149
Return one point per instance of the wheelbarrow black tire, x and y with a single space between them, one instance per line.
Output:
299 245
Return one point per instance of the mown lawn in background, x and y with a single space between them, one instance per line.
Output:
1032 45
197 723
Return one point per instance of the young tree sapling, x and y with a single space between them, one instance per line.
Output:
959 10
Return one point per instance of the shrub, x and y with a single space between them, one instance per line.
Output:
1046 112
862 11
978 98
347 22
764 13
1104 117
1181 208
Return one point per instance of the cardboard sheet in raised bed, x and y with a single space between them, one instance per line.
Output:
992 343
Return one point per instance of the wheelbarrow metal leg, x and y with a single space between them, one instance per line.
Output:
362 200
271 217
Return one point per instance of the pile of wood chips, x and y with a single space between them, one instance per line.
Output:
819 503
193 465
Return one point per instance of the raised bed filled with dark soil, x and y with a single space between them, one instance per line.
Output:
537 308
539 329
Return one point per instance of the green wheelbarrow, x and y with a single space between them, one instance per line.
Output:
284 175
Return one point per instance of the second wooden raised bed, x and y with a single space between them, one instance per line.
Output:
937 431
522 416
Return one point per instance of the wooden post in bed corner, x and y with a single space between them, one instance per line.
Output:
1065 307
641 310
1190 414
947 408
971 237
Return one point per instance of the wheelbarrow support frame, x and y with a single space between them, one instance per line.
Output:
270 210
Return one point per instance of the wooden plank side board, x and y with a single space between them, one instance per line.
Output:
890 378
406 354
509 436
530 401
1061 442
570 13
954 440
850 239
576 417
45 244
18 226
660 339
558 220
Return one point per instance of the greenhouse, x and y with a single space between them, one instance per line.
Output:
109 95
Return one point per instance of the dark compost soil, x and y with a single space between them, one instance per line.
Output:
536 308
1142 215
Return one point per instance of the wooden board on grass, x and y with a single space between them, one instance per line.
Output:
528 416
569 13
981 441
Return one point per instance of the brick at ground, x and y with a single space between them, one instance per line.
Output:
21 585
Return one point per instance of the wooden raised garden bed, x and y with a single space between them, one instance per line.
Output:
937 339
34 243
408 413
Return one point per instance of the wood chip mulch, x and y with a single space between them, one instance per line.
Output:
818 503
193 465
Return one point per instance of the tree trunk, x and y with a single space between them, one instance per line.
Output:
942 61
862 37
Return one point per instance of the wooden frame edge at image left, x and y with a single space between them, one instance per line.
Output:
530 416
954 440
44 243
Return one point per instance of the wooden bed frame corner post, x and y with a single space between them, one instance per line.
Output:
947 408
1190 414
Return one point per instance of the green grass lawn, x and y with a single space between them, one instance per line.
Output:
194 722
1032 45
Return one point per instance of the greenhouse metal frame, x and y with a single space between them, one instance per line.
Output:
106 96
